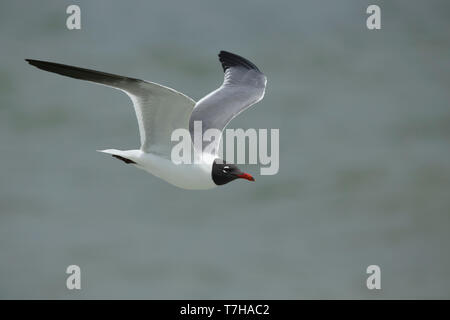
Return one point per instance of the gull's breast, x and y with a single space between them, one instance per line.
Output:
187 176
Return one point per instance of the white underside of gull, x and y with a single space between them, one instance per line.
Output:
187 176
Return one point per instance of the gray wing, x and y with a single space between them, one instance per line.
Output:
159 110
243 86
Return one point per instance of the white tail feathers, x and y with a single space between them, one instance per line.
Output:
112 151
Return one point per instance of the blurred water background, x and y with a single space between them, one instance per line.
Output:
364 176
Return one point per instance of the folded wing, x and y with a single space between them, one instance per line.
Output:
159 109
243 86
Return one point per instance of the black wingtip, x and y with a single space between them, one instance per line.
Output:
229 60
31 61
36 63
47 65
126 160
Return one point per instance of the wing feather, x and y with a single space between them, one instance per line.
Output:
244 85
159 109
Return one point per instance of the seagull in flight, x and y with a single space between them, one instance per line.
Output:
160 110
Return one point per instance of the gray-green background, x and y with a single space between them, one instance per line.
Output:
364 176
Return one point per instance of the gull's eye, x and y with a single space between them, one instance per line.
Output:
226 169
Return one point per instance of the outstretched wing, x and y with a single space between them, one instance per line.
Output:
159 109
243 86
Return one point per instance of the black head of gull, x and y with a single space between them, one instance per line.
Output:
223 173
